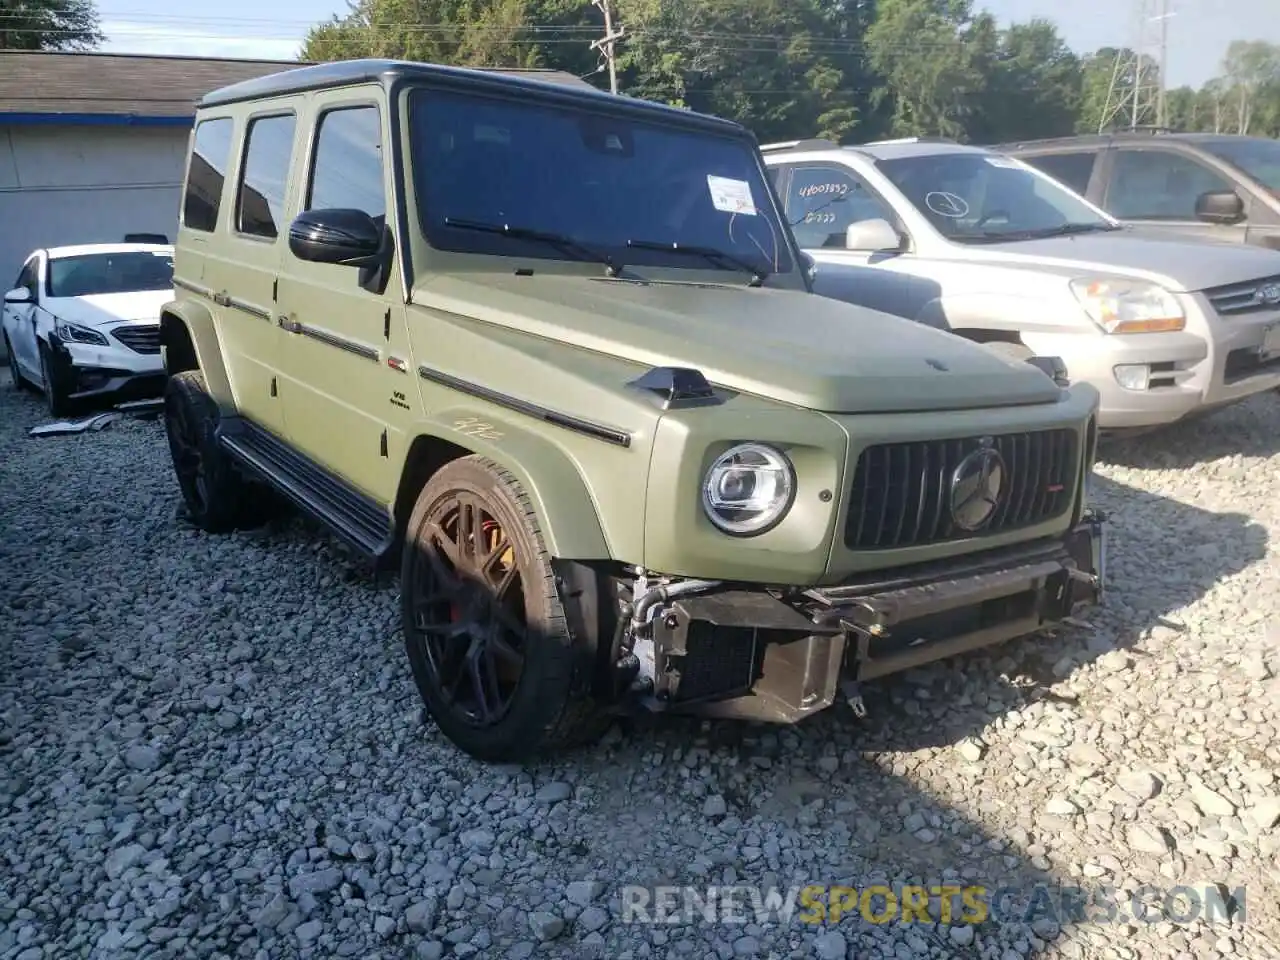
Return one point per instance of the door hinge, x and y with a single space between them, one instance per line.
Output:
384 443
273 386
386 325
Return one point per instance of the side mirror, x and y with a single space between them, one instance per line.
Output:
350 238
808 264
1052 367
872 235
1220 206
18 295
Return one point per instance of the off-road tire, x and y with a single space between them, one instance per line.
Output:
226 501
545 715
55 394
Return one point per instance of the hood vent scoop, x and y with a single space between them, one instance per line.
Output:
673 388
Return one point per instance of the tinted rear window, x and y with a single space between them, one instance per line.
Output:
1071 169
210 154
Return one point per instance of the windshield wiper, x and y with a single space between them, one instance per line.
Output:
1067 229
575 247
1063 230
758 274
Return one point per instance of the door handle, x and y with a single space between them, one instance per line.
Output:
291 326
222 299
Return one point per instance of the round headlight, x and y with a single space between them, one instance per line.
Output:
748 489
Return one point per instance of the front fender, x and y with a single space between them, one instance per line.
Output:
567 512
188 337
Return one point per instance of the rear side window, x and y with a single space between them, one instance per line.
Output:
1071 169
207 173
264 175
346 170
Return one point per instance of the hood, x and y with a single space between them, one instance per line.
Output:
1177 264
104 308
785 345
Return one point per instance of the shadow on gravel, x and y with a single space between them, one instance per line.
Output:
1197 441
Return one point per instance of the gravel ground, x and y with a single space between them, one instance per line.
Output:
211 747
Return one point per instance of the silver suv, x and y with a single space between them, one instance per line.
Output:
990 248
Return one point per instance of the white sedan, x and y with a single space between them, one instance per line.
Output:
84 322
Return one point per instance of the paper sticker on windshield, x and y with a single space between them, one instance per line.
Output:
731 196
946 204
1007 162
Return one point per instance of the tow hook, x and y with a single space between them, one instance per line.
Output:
852 692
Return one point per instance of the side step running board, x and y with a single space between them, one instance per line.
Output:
354 517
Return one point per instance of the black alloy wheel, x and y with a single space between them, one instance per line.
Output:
468 610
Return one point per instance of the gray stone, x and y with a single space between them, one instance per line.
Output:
139 757
317 882
545 926
831 945
961 936
421 917
554 792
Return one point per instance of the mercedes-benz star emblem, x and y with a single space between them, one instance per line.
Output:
976 485
1269 293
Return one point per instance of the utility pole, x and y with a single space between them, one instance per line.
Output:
1144 98
1162 110
606 43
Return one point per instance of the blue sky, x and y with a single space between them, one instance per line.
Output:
1198 31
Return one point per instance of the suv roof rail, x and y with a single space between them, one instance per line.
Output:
814 143
878 143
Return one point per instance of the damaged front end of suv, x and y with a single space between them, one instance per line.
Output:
1000 519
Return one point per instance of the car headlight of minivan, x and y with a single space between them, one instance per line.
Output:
1129 306
748 489
74 333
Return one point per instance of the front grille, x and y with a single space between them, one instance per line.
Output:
1251 296
901 494
140 339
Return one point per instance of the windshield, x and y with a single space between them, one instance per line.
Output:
1258 158
93 273
567 183
985 197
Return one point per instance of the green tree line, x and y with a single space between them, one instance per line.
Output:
845 69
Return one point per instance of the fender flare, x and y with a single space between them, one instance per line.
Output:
189 340
567 513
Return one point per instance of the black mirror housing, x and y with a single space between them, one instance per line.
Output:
1052 367
1220 206
349 238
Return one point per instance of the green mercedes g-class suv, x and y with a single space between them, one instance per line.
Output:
555 353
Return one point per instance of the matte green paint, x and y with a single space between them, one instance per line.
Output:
819 378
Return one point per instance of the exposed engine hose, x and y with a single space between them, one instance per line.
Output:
654 595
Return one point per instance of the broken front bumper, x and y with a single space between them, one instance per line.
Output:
779 656
89 373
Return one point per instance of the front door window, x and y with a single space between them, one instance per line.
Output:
1159 185
823 199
